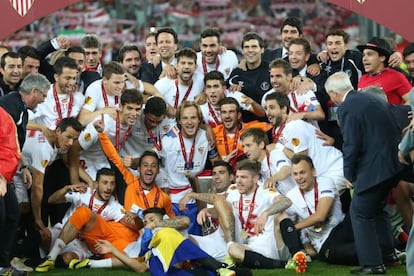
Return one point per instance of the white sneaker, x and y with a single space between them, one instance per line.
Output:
18 264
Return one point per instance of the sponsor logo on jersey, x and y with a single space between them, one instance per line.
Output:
295 142
44 163
87 137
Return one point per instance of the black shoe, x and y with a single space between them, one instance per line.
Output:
379 269
391 260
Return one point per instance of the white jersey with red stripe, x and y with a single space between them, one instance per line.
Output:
227 61
94 97
47 113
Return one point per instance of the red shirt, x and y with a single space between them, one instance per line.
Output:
394 84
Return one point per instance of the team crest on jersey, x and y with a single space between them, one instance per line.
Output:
265 86
44 163
295 142
200 150
233 187
87 137
88 100
271 190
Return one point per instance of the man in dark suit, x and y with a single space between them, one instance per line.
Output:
371 137
167 43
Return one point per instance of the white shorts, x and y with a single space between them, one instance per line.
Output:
76 246
213 244
20 189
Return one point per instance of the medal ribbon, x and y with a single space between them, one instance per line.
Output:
276 136
91 204
249 215
177 93
58 107
235 140
183 151
315 190
213 114
203 61
105 96
119 144
157 196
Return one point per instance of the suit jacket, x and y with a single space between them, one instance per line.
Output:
371 136
149 73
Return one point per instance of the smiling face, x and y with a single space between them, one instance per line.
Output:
279 80
246 181
215 91
304 175
274 113
189 121
166 46
12 71
132 62
298 57
221 178
129 113
66 82
252 52
230 117
186 67
372 61
114 85
336 47
105 187
209 47
148 171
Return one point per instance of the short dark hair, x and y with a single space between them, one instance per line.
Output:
281 63
210 32
214 75
303 42
125 49
294 22
186 52
74 49
70 122
223 163
281 99
29 51
64 62
104 171
131 96
155 106
154 210
338 32
302 157
166 30
149 153
249 165
10 55
230 100
408 50
112 67
253 36
90 41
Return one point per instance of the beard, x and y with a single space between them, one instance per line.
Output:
278 120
